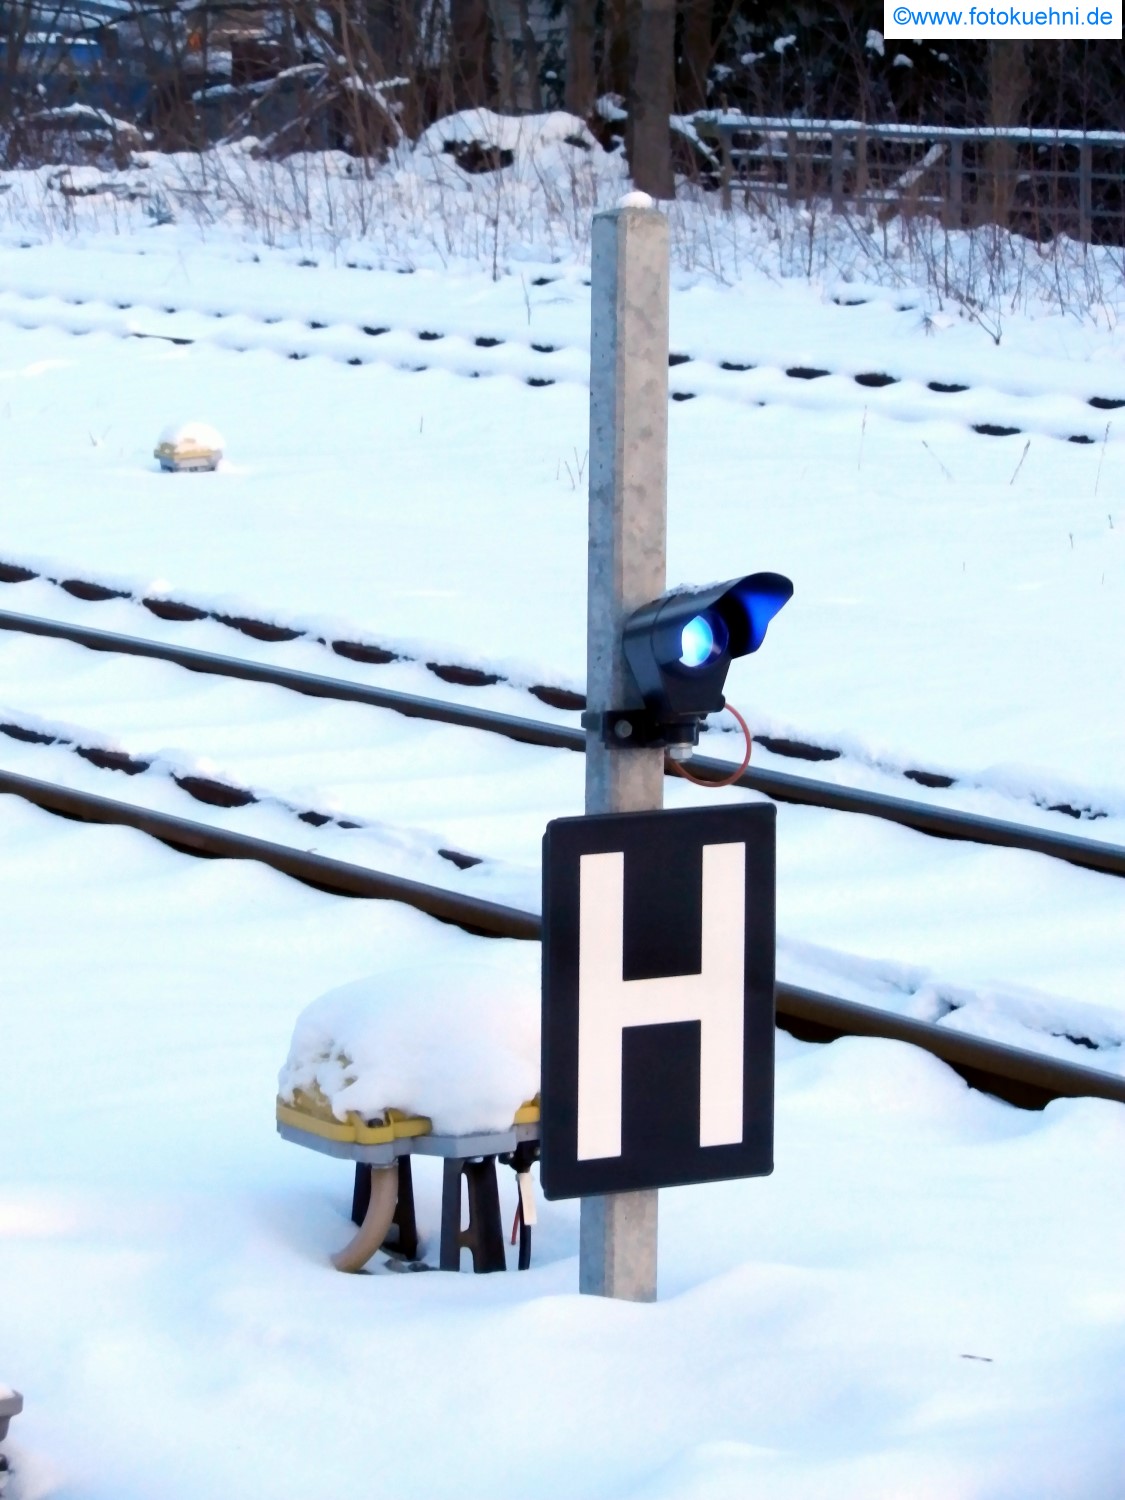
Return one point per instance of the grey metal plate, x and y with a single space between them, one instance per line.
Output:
374 1156
483 1143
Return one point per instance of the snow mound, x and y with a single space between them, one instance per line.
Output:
456 1041
534 147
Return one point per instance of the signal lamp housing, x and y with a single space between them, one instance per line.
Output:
679 649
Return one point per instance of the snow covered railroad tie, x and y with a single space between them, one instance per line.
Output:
462 1037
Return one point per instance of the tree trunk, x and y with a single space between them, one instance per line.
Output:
412 98
1008 86
504 62
651 97
530 60
469 54
578 96
695 55
615 50
381 18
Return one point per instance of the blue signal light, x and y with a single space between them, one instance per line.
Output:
679 647
698 641
761 596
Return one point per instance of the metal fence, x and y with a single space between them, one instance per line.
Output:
1041 182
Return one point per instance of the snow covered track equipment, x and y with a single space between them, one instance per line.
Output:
381 1148
190 448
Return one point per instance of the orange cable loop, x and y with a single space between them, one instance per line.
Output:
733 777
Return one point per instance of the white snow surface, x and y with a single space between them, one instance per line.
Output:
959 597
924 1300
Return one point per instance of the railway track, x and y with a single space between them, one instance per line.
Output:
922 817
1020 1076
331 312
758 378
1027 1079
373 653
806 1012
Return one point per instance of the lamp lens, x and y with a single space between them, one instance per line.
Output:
697 642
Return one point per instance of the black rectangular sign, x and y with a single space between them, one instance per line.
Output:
658 1009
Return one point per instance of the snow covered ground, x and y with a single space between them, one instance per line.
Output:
925 1299
955 605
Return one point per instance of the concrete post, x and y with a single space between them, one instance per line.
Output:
628 510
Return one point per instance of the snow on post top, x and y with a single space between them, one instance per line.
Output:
635 200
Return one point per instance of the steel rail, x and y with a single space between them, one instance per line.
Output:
331 875
530 731
939 822
1028 1079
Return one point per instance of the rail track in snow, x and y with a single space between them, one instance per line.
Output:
1027 1079
1023 1077
758 378
929 818
371 653
779 787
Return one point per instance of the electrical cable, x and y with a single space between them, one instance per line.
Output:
727 780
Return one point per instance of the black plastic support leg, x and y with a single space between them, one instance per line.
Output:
483 1237
524 1262
361 1192
403 1236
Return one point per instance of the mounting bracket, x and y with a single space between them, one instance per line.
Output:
640 729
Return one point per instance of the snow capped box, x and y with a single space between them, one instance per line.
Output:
189 446
452 1043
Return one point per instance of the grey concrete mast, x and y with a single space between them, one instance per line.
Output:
628 513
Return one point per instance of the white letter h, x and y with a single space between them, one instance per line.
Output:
607 1003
